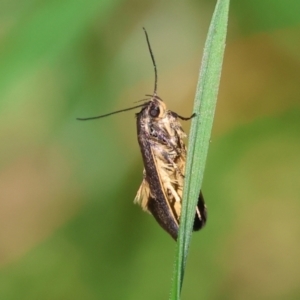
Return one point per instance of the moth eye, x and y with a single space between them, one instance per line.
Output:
154 111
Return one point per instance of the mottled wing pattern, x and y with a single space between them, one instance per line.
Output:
169 153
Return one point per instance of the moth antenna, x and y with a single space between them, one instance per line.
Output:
130 108
112 113
153 61
146 99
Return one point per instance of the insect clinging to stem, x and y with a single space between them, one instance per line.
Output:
160 137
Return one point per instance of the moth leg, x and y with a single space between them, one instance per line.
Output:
175 149
158 136
167 157
175 115
173 192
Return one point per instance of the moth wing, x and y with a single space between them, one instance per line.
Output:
143 194
201 213
168 184
164 209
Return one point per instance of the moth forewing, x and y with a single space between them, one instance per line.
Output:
166 183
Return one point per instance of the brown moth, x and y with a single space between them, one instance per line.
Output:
160 138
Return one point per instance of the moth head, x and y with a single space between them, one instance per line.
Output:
156 108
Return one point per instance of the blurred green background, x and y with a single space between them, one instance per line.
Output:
68 226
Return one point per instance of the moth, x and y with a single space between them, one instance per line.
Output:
161 140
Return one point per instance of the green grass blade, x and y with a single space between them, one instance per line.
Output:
51 28
204 107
